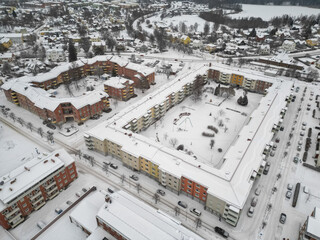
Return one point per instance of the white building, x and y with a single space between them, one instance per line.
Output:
125 217
55 55
289 46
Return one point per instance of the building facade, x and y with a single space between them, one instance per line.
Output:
119 88
29 187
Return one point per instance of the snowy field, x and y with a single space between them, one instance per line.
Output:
267 12
15 149
187 128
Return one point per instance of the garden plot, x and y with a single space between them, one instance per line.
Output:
204 129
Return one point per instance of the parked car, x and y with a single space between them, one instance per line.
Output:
183 204
305 189
266 169
69 202
289 186
272 153
257 192
58 210
221 231
274 147
250 212
299 148
111 190
78 194
114 166
254 201
50 125
304 124
295 159
195 211
41 224
302 133
288 194
283 218
84 190
277 140
134 177
161 192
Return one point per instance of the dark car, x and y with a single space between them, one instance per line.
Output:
266 169
283 218
221 231
161 192
114 166
183 204
50 125
134 177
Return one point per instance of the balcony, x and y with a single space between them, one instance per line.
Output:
40 205
12 212
50 191
16 221
37 201
35 196
54 193
53 183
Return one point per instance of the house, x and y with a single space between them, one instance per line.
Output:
185 39
16 38
55 55
289 46
197 43
6 57
28 187
312 42
5 43
264 49
210 47
119 88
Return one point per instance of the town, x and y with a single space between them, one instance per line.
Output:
159 120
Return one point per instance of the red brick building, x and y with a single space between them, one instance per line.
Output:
194 189
119 88
46 106
28 187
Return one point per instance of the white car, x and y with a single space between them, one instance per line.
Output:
250 212
195 211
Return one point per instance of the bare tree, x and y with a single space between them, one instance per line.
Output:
29 125
138 187
4 112
173 142
123 177
221 112
211 143
177 211
198 223
21 121
105 168
156 198
12 116
40 131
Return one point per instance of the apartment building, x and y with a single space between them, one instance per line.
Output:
104 215
223 191
119 88
310 229
56 110
28 187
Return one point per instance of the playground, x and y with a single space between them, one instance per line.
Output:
204 129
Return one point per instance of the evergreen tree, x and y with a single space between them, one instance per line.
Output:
72 52
217 91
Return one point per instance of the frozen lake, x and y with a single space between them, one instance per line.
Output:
266 12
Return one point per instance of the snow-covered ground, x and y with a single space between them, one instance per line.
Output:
15 149
188 20
187 130
266 12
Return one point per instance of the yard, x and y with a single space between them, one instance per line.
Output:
184 125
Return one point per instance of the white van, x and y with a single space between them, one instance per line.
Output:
41 224
306 189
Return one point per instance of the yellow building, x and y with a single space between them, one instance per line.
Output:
236 79
312 42
185 39
6 43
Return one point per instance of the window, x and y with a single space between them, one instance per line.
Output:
73 175
59 180
71 171
188 190
26 210
24 205
197 195
189 186
189 182
65 181
198 185
61 185
197 190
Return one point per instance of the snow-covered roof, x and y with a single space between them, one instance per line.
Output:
85 213
135 219
232 181
313 223
44 99
122 62
118 82
144 70
19 180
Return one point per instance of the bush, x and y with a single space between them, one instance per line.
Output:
180 147
213 129
208 134
220 150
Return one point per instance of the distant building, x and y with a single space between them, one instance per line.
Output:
289 46
55 55
264 49
108 215
28 187
119 88
312 42
5 42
